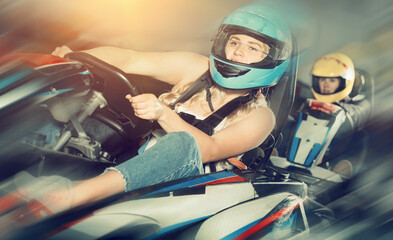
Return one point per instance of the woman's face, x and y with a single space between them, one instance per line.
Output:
245 49
328 85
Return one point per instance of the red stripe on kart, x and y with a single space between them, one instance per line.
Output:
38 209
33 59
67 225
266 221
224 180
28 213
9 201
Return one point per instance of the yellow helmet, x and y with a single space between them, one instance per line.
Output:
333 65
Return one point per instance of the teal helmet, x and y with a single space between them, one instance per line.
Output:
264 25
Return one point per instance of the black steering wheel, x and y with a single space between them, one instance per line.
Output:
114 85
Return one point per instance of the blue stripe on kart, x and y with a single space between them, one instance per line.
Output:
295 141
197 181
238 232
5 82
294 146
316 149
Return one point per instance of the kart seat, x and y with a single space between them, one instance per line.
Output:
363 87
364 84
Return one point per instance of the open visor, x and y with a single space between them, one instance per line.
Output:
276 52
315 85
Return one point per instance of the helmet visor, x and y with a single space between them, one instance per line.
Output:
328 85
249 48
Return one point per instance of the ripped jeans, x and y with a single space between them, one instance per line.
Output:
176 155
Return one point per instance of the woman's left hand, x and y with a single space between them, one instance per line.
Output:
146 106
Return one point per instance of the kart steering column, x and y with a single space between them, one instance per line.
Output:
96 100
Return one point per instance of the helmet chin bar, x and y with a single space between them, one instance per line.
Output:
228 70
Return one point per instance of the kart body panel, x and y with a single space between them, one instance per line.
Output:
313 133
235 204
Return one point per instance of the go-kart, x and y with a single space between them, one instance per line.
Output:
264 201
323 134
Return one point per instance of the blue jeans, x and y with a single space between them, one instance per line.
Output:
176 155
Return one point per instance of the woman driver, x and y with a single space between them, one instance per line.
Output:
251 50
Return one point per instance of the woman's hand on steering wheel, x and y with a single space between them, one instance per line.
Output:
146 106
61 51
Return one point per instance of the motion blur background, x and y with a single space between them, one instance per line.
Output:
361 29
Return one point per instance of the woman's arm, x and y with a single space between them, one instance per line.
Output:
231 141
169 67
